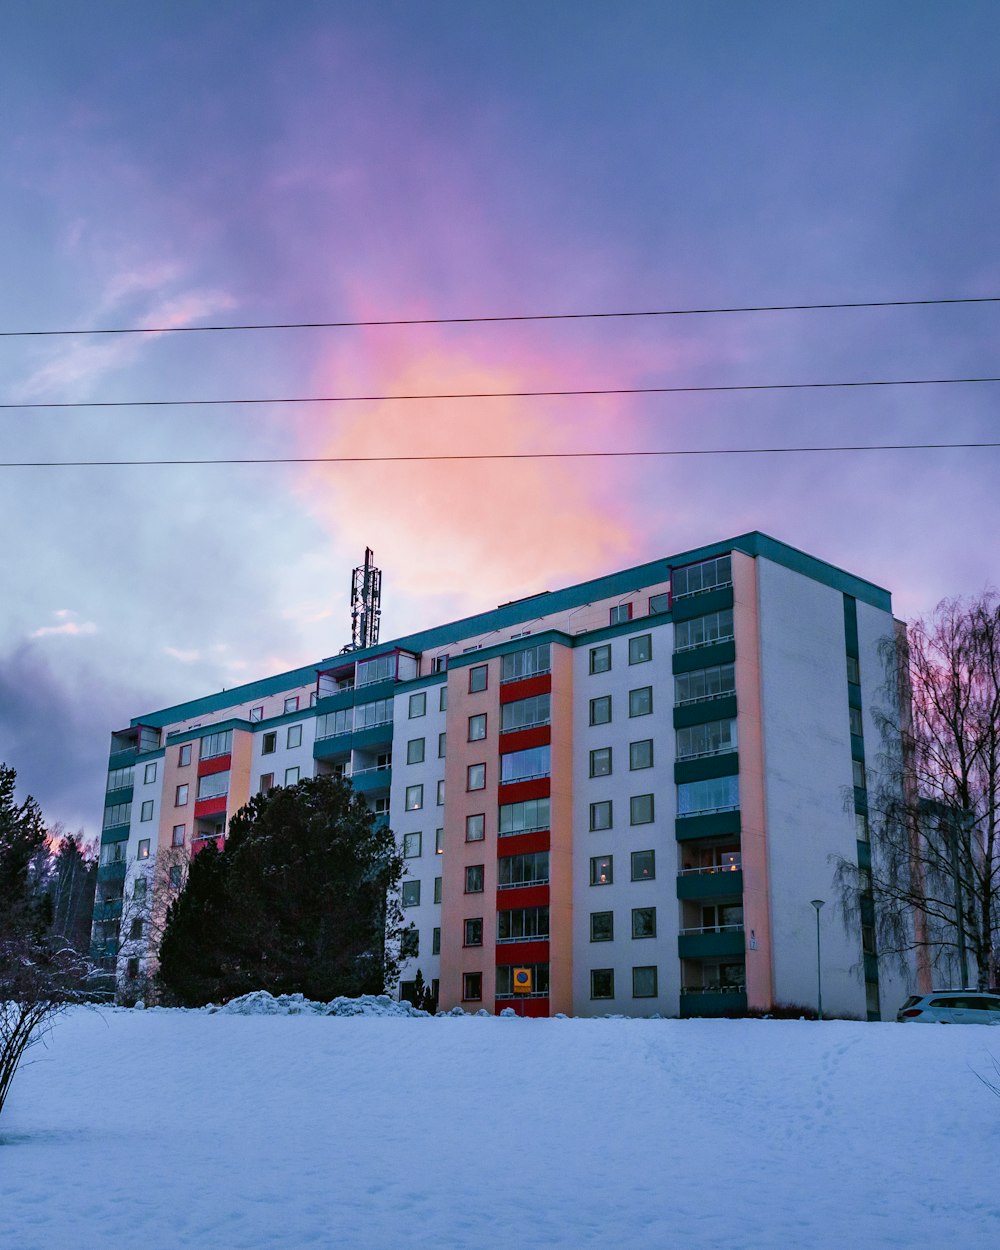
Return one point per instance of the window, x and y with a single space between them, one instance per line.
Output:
435 941
119 778
644 982
292 776
292 703
257 713
659 603
600 815
477 678
113 852
266 783
117 814
135 931
702 631
643 865
149 773
602 926
474 879
472 987
473 935
857 725
475 827
414 798
524 765
714 795
600 710
440 793
640 702
714 738
293 738
443 699
640 754
857 768
184 755
269 743
602 983
381 668
330 724
409 943
214 745
132 969
853 670
539 981
477 727
602 870
181 796
705 683
175 876
525 817
415 751
378 712
418 704
442 743
621 613
526 663
139 888
177 838
644 922
411 893
476 777
523 924
438 841
529 869
600 658
640 649
143 852
412 844
440 663
600 762
706 575
313 697
525 713
861 826
437 889
641 809
146 811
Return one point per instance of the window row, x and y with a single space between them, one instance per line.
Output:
602 924
705 683
702 631
522 924
640 649
640 703
641 809
293 736
713 738
716 794
644 982
602 867
707 575
640 755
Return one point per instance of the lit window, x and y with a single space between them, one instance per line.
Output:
294 736
473 935
602 926
477 678
643 865
181 796
640 809
418 704
600 762
411 894
644 922
414 798
412 843
472 987
602 983
269 743
415 751
184 755
143 852
600 710
146 811
475 827
600 815
292 703
644 982
438 841
602 870
477 727
474 879
621 613
178 835
476 777
292 776
600 658
149 773
640 754
640 702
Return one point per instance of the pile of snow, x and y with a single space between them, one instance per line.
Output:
261 1003
233 1130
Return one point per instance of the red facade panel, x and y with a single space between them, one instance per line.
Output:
522 843
522 739
522 896
211 807
220 764
511 691
511 954
531 1007
518 791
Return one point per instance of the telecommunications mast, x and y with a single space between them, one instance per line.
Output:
366 603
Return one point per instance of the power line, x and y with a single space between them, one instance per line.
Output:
513 317
514 455
617 390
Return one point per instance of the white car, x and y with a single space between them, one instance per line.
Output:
951 1007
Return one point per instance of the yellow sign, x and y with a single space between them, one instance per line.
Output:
522 980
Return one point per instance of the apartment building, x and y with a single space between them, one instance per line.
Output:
624 796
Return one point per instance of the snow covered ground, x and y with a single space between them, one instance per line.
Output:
163 1129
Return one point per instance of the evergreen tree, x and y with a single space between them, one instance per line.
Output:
72 880
300 899
22 838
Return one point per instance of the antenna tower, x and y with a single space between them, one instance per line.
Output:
366 603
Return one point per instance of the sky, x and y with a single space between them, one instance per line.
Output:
183 165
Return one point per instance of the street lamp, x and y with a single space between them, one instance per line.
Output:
818 903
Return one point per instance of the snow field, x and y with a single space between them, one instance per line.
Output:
163 1129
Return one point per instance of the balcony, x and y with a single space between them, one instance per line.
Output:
710 883
370 780
111 872
716 941
713 1001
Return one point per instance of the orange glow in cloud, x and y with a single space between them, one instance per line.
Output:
471 533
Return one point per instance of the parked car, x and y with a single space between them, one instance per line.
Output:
951 1007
